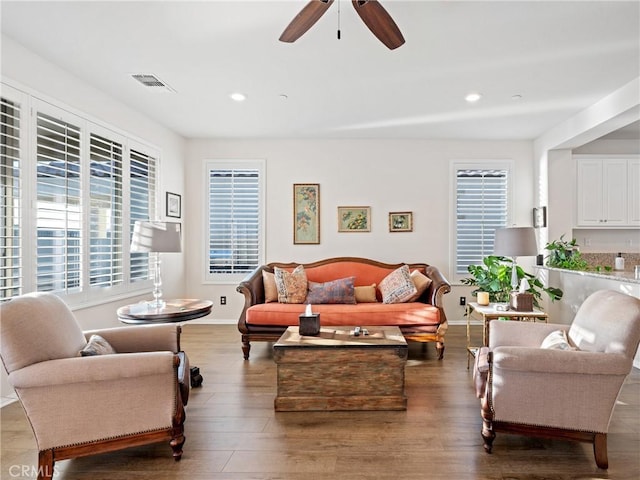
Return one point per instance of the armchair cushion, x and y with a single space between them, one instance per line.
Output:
557 340
97 346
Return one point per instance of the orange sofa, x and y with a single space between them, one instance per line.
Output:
422 320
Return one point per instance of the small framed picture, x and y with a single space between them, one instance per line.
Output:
401 221
174 205
354 219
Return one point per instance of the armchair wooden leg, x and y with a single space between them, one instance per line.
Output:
440 350
488 435
600 450
45 464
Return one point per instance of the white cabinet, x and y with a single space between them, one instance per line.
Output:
634 192
607 191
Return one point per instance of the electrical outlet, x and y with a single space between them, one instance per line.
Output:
223 300
463 301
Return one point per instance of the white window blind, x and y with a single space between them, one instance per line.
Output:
11 269
142 206
234 243
59 205
106 267
481 208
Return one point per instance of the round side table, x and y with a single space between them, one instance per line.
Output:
177 310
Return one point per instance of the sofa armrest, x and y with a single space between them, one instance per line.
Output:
550 361
99 368
439 286
252 287
141 338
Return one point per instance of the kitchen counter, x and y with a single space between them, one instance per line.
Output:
626 276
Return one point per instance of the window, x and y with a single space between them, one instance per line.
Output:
87 185
59 205
106 264
142 178
481 202
234 238
10 194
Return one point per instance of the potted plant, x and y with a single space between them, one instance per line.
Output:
565 254
494 276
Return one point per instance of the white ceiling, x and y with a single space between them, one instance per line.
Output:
561 57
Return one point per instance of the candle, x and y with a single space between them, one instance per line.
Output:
483 298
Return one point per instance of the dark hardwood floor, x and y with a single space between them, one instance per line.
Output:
233 432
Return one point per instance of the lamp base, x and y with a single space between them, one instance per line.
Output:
156 304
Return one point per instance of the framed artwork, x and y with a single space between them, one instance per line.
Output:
401 221
174 205
306 213
354 219
540 217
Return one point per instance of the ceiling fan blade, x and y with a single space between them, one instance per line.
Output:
307 17
379 22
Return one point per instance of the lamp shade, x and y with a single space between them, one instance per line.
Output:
155 237
515 242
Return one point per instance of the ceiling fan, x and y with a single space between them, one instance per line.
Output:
374 16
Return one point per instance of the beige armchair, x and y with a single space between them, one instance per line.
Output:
83 405
555 392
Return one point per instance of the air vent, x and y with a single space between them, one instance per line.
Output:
152 82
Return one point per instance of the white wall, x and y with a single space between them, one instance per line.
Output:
24 70
387 175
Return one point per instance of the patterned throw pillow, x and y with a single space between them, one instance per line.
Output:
97 346
292 287
366 294
421 282
270 289
397 287
336 291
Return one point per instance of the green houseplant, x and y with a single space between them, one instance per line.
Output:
494 276
565 254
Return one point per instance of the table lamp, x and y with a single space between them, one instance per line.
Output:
515 242
156 237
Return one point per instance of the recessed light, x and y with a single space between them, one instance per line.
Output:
238 97
473 97
283 96
517 96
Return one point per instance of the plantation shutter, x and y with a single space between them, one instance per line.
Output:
59 205
143 181
11 268
481 208
106 267
234 220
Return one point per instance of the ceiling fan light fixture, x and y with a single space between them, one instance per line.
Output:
473 97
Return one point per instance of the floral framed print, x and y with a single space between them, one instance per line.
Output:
354 219
401 221
306 213
174 205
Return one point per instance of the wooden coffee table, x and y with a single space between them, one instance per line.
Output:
336 370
